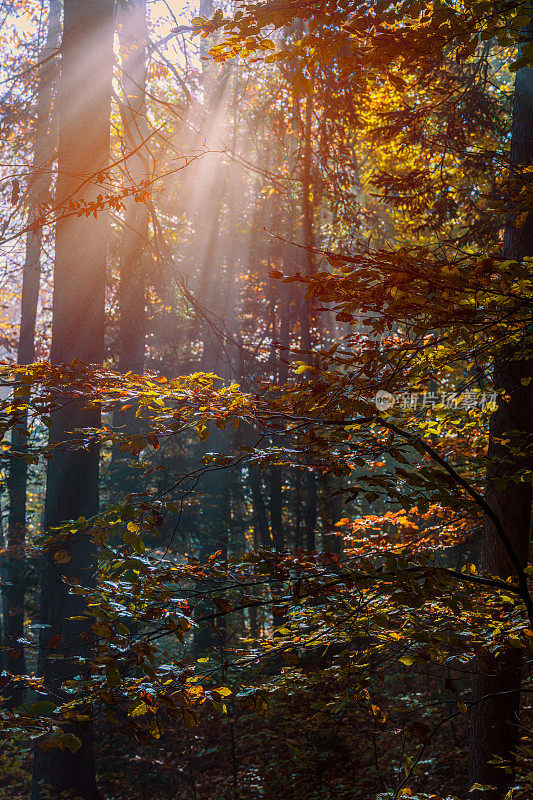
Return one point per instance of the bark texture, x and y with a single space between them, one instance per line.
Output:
84 98
38 194
495 716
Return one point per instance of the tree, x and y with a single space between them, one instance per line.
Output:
495 720
361 657
134 247
38 196
77 333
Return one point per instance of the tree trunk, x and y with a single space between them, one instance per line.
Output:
310 511
259 508
276 520
495 721
38 194
332 513
77 332
307 310
133 37
134 245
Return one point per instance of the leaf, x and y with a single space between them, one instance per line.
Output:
123 629
189 718
63 741
202 432
113 675
407 660
223 691
62 557
423 505
70 742
138 709
42 708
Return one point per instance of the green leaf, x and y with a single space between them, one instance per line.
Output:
113 675
42 708
137 709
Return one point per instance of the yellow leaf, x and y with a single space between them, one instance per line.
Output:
188 718
61 557
223 691
138 709
407 660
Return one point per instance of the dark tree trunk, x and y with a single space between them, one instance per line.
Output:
38 194
332 513
276 520
298 511
310 510
495 720
77 332
259 508
214 533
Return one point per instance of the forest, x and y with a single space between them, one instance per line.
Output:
266 399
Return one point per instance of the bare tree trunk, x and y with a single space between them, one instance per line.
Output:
307 309
77 332
133 37
333 511
259 508
310 510
38 194
276 520
495 720
2 544
134 245
307 220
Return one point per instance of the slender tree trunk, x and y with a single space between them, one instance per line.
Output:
214 533
298 511
133 37
307 308
134 245
310 510
276 520
307 220
2 544
495 720
38 194
333 511
259 508
77 332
